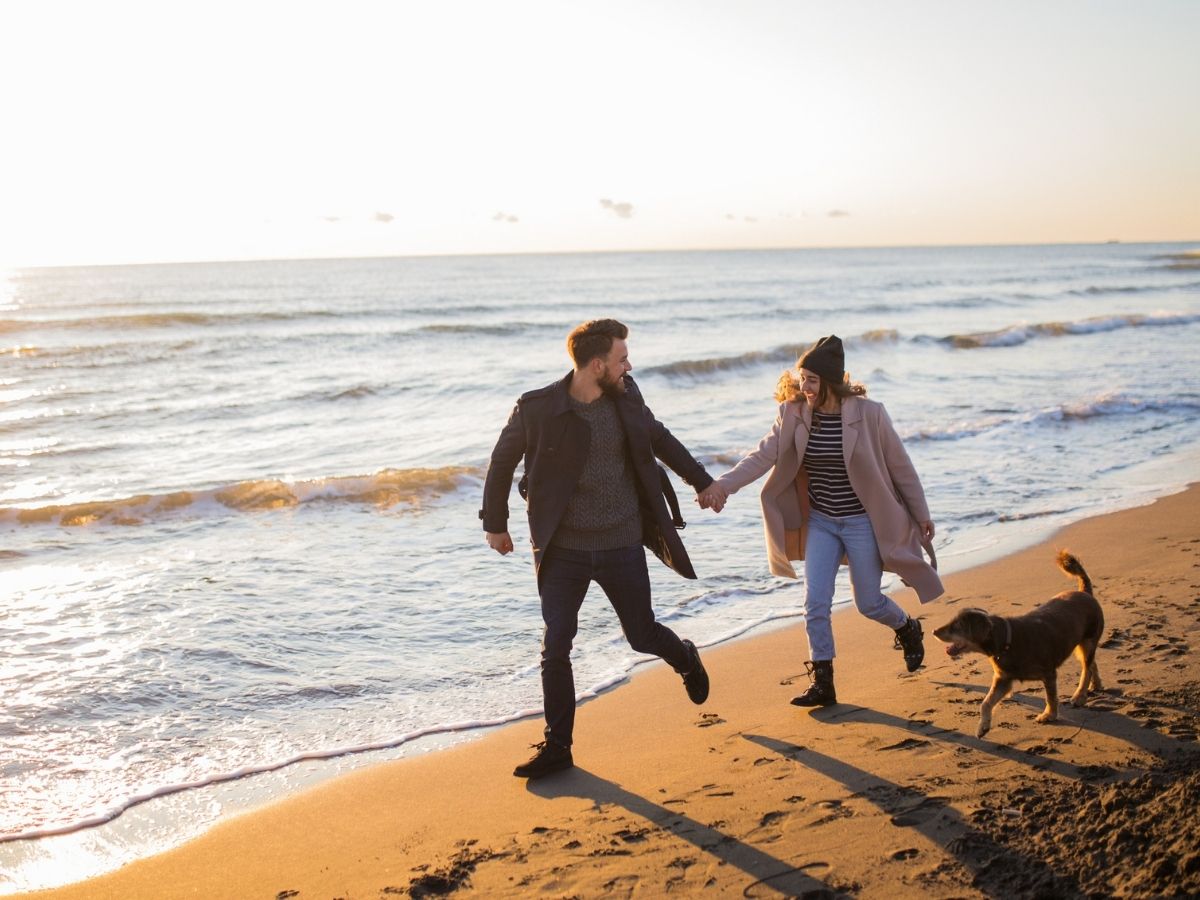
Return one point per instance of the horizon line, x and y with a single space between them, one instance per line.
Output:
597 252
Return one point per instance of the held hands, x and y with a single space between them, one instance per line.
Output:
500 542
927 530
713 497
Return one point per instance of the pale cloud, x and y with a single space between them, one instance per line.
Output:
620 210
384 217
505 217
837 214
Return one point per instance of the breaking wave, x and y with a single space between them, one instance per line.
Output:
784 353
1189 259
133 322
1110 404
1015 335
493 329
383 490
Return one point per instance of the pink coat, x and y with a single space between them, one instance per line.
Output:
880 472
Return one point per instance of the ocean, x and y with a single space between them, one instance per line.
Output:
239 543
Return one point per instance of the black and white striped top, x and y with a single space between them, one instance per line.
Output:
829 488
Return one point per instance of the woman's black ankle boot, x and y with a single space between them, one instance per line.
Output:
821 692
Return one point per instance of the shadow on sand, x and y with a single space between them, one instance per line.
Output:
996 869
775 875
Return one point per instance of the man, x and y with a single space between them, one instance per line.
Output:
594 496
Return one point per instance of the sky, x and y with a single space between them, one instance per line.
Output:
157 132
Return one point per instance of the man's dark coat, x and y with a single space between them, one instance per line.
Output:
554 442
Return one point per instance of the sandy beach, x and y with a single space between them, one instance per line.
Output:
887 793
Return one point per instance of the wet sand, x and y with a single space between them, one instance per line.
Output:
888 793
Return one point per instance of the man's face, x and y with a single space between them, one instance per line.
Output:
612 376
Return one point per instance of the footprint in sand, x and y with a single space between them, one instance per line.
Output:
922 812
622 886
707 720
631 835
769 827
611 851
906 744
837 810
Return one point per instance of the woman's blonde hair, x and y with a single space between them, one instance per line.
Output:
788 388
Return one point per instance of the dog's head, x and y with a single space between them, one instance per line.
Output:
968 632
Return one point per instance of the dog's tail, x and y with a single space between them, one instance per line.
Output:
1069 564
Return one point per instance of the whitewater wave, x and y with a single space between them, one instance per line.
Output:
1015 335
1189 259
955 432
129 322
783 354
1109 404
383 490
1114 404
135 321
108 815
21 350
493 329
1133 288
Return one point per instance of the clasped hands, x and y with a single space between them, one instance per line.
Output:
713 497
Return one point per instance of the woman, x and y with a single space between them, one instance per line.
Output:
841 488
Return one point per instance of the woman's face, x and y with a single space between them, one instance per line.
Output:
810 385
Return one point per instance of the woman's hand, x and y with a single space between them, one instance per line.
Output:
713 497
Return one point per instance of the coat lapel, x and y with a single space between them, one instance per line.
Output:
803 429
851 424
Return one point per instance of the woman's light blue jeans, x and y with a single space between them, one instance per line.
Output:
828 539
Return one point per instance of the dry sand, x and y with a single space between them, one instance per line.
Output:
888 793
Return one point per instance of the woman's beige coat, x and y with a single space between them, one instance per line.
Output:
880 472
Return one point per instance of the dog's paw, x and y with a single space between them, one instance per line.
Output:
1046 716
1078 700
984 728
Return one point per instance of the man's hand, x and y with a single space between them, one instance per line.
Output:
500 542
927 530
713 497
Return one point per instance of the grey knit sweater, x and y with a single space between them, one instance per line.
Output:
603 513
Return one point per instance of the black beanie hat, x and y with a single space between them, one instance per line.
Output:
826 358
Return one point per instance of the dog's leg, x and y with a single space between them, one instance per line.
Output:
1050 713
1093 669
1000 689
1085 676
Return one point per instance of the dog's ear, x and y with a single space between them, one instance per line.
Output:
980 623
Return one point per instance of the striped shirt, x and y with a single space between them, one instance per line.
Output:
829 488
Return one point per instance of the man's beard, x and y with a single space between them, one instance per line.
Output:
613 387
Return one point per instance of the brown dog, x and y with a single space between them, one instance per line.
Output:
1032 647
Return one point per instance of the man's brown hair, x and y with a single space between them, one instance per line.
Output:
593 339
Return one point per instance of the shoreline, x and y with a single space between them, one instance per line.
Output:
323 841
137 829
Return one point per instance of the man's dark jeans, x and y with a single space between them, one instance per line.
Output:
563 581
